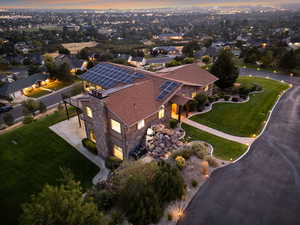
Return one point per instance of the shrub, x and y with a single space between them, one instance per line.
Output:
235 99
104 199
42 107
197 149
89 145
170 178
204 168
200 150
194 183
28 119
226 97
180 162
112 162
116 217
173 123
169 217
244 97
202 99
211 161
8 119
30 106
193 105
211 99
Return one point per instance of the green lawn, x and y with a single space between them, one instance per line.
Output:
223 148
34 160
248 118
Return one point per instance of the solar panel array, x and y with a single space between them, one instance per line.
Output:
166 88
108 75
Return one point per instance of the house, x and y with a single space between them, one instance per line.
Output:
159 62
74 63
169 37
168 50
18 88
122 102
137 61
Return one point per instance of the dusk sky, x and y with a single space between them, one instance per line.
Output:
127 4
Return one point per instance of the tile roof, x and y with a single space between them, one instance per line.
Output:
190 74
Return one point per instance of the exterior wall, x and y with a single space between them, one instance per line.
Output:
189 90
98 124
106 137
135 136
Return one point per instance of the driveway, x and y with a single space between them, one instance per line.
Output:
264 186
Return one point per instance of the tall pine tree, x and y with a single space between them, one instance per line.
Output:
225 69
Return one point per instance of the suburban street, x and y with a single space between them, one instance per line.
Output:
48 100
264 186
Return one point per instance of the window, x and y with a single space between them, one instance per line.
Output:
116 126
206 88
89 112
141 124
118 152
92 136
194 94
161 113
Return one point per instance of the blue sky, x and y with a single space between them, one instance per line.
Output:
100 4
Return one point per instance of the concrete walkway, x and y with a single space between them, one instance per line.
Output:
242 140
69 130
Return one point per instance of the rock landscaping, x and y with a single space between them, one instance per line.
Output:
161 141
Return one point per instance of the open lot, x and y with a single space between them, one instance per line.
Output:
245 119
32 156
223 148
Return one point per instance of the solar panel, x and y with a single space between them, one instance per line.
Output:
108 75
166 88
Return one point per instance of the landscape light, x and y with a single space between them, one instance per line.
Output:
291 85
250 75
291 74
254 135
274 71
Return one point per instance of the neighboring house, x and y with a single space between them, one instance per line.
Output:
168 50
158 62
137 61
169 37
74 63
123 102
17 88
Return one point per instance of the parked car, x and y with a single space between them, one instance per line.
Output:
6 108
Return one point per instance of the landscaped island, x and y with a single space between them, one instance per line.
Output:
32 156
245 119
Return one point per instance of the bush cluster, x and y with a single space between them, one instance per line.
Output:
173 123
211 161
91 146
180 162
112 162
196 149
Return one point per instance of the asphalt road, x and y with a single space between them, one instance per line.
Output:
48 100
264 187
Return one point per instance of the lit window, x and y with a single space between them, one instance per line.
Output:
92 136
116 126
89 112
206 88
118 152
141 124
194 94
161 113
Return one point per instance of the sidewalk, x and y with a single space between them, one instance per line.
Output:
69 130
242 140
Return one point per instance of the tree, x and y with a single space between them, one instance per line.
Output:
83 54
205 59
32 69
189 49
8 119
140 202
63 51
42 107
63 204
30 106
90 64
171 180
225 69
267 59
288 60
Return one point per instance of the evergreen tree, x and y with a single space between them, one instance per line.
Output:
64 204
225 69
